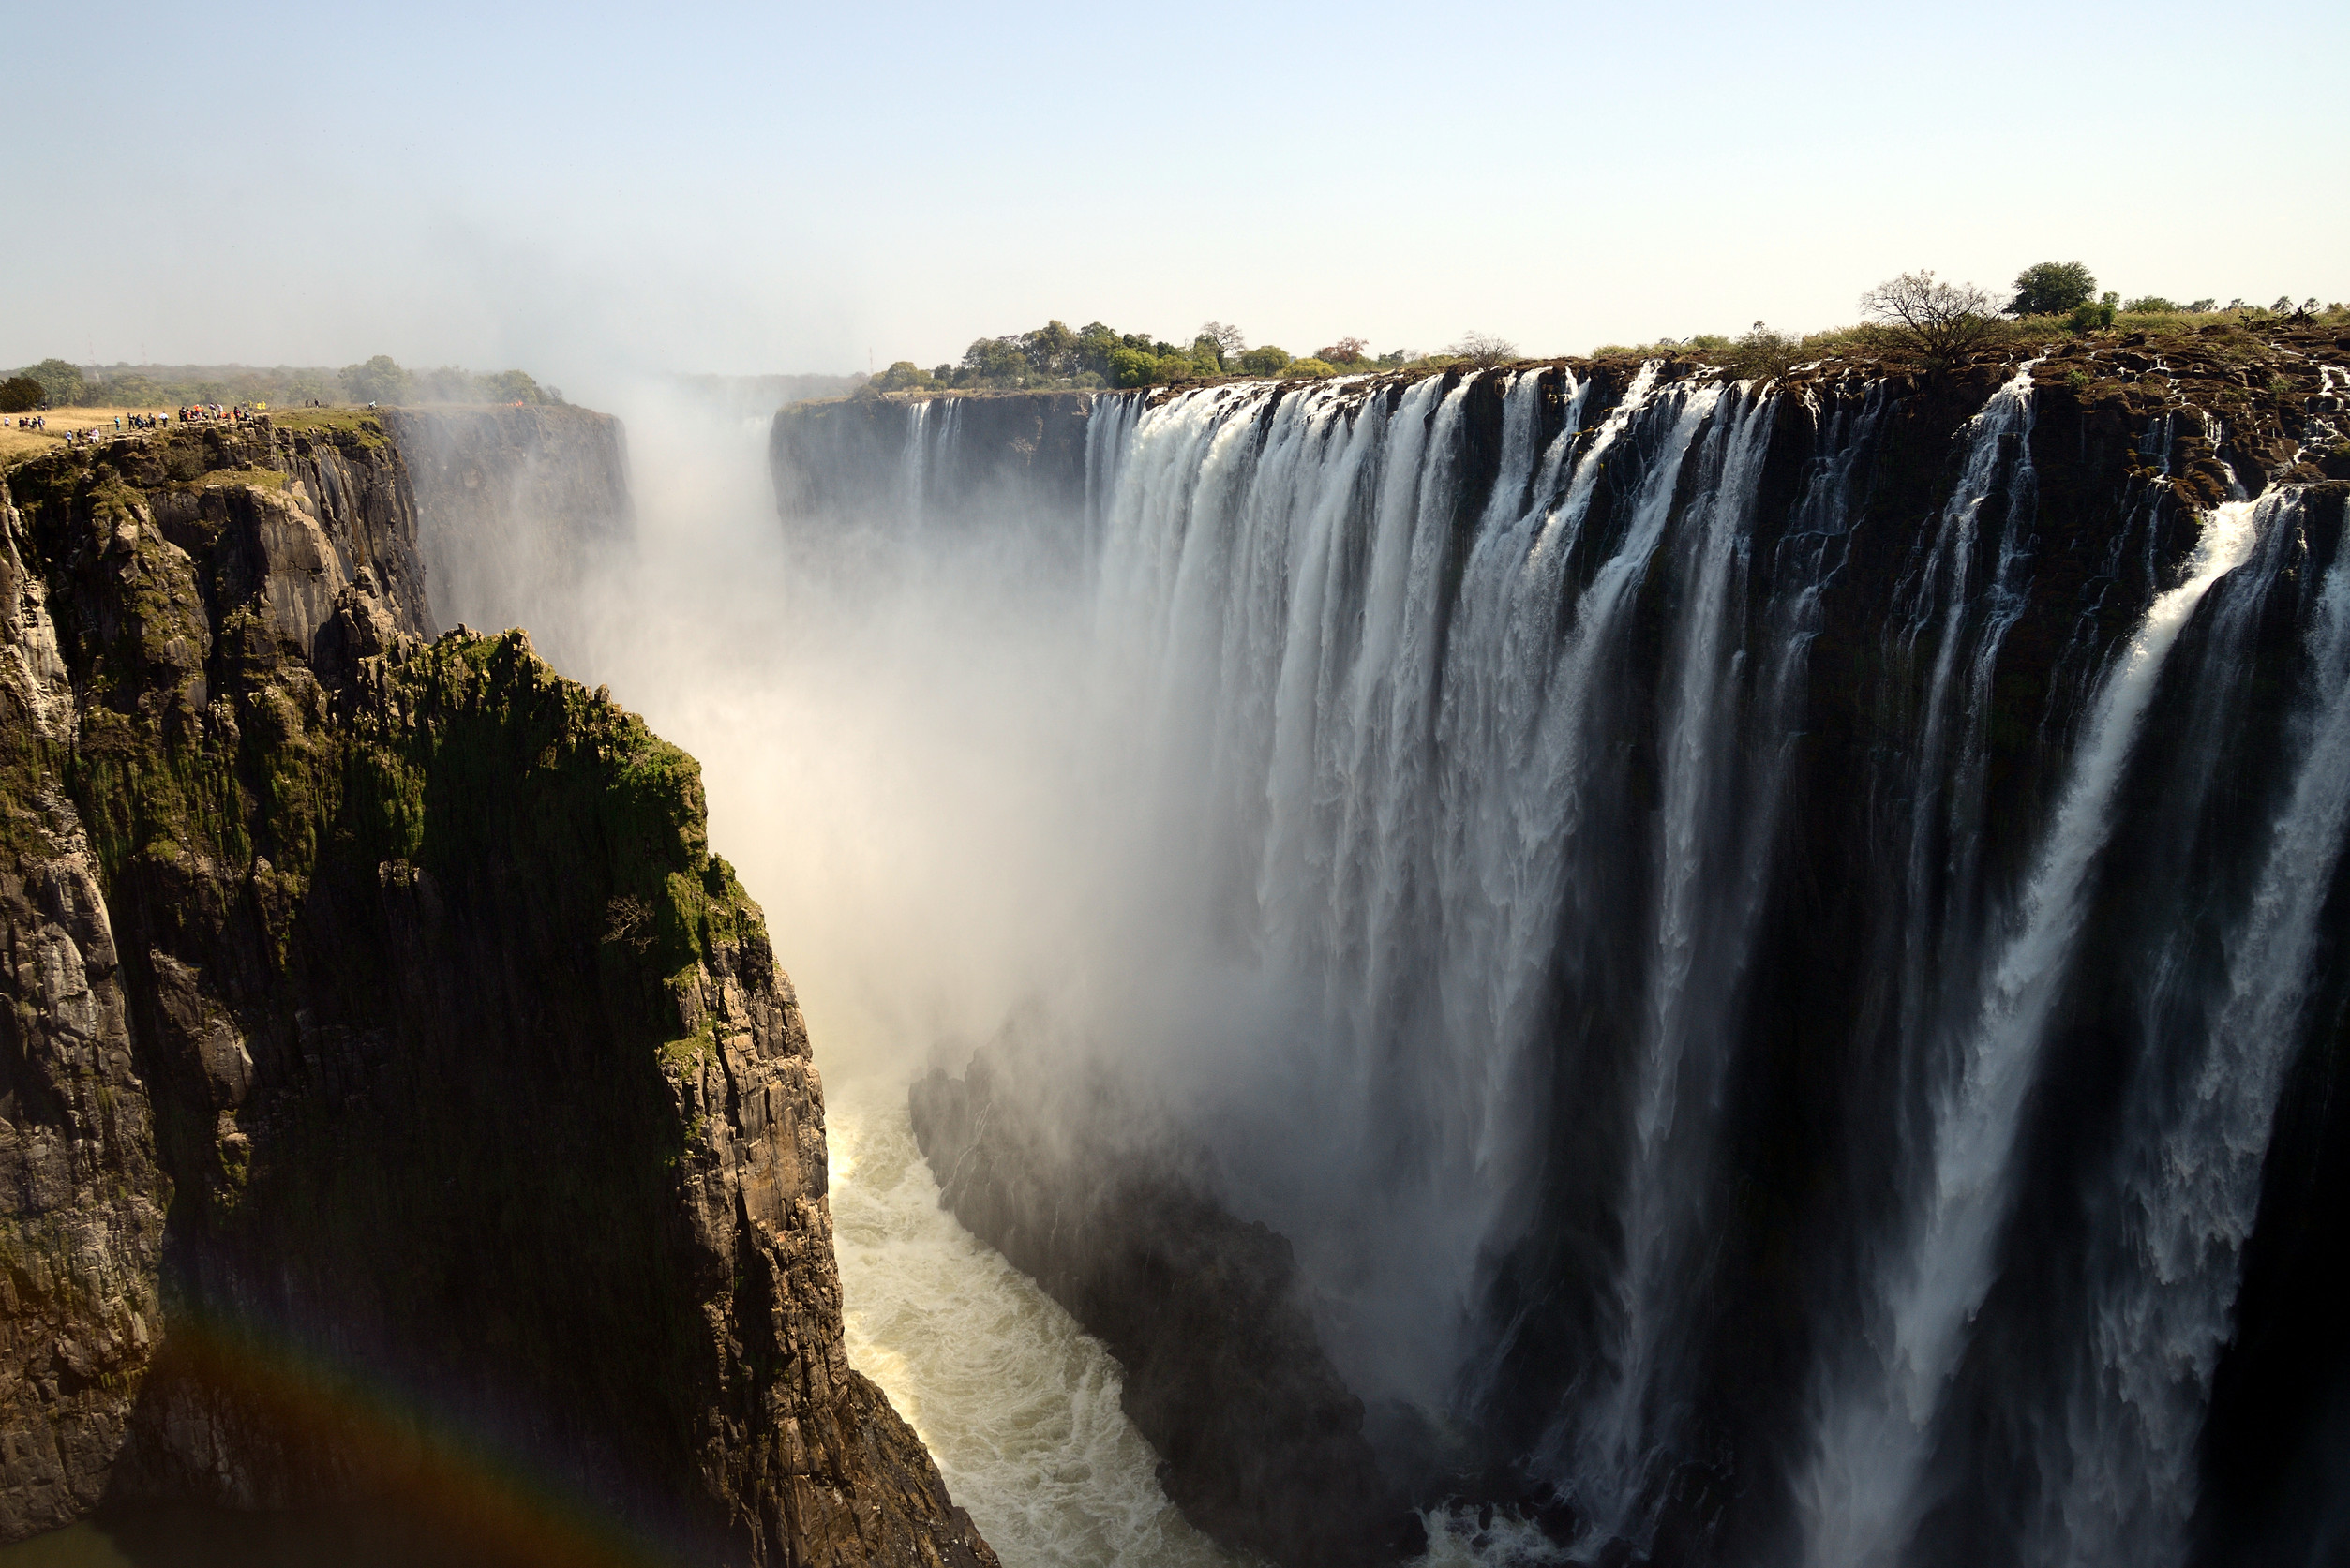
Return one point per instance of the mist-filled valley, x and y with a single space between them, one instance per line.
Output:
1669 896
1483 960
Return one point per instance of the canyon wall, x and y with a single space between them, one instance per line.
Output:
511 502
398 1098
1819 908
996 457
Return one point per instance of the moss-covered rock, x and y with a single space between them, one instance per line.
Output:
394 1083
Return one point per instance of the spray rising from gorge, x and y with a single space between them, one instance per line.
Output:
1750 936
1642 875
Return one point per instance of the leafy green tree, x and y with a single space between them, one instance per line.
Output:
1265 360
2149 304
381 380
901 375
1096 343
1346 350
21 394
2052 289
993 362
129 391
1130 366
1316 366
513 386
61 382
1051 350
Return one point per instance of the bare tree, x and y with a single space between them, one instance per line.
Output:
1944 321
1228 338
1483 347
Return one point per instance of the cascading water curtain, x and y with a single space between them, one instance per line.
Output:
1487 701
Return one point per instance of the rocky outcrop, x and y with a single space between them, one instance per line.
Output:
964 456
509 502
1261 1443
397 1096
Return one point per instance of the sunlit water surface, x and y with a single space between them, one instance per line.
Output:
1016 1402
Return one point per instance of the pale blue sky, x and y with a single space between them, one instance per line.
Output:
587 189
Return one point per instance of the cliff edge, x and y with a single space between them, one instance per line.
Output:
397 1097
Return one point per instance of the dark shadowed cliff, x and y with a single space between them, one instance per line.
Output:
1663 782
397 1096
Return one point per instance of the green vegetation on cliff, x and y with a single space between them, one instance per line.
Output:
1056 357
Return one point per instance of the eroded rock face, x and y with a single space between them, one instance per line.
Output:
1262 1443
396 1091
81 1200
510 502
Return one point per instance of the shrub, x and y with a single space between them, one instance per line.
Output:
1761 353
2052 289
2147 305
2088 316
21 395
1316 366
1265 360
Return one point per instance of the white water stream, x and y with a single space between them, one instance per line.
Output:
1864 1495
1016 1402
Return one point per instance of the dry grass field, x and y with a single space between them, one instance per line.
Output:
17 444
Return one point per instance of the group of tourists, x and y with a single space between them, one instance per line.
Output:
191 414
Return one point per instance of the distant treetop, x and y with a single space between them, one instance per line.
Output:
1055 355
2052 289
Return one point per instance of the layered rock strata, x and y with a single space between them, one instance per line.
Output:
397 1097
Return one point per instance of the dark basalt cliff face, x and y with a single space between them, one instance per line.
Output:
1261 1444
509 500
985 455
1796 1177
397 1097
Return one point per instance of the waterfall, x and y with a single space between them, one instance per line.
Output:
2189 1183
1874 1439
1641 868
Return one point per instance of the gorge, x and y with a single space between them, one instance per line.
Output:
1577 961
1772 948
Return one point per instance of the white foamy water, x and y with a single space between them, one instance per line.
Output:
1015 1401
